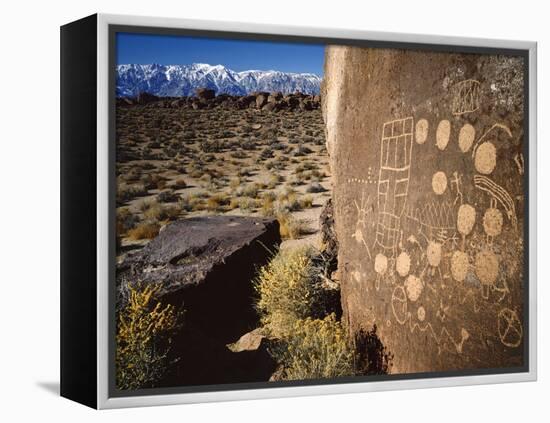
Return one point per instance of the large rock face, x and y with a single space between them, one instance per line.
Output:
427 155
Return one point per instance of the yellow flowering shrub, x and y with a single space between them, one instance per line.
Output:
285 290
144 330
314 349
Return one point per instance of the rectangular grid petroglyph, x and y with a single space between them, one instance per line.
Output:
393 180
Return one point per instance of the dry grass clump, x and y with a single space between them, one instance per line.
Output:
217 202
144 330
290 227
247 204
155 211
268 204
144 230
250 190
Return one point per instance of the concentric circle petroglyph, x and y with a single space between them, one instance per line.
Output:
433 252
466 137
414 287
380 264
421 133
443 134
466 219
403 264
485 159
492 221
421 313
486 265
439 182
459 265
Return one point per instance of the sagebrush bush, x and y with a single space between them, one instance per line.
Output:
125 220
287 290
315 349
144 330
127 192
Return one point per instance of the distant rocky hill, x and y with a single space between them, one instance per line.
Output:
183 80
204 98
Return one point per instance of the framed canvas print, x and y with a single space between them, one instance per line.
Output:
254 211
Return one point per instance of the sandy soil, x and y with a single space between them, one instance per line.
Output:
189 162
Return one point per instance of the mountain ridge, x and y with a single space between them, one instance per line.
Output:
183 80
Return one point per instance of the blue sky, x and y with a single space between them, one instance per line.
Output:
237 55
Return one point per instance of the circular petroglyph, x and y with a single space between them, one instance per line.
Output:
414 287
421 313
421 133
485 158
486 265
380 264
492 221
399 304
439 182
403 264
443 134
434 253
510 329
459 265
466 137
466 219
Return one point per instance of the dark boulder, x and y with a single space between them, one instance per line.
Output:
207 264
146 98
205 93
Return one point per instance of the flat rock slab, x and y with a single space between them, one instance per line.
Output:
207 266
186 251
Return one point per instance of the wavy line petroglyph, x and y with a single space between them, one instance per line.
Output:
402 316
483 183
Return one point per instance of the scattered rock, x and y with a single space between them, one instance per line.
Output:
315 187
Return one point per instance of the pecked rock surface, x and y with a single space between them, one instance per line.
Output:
427 153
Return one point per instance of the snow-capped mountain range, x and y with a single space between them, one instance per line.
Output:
183 80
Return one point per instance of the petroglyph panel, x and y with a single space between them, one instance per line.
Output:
439 232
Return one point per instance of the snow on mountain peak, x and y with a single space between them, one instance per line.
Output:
183 80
